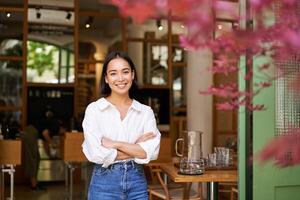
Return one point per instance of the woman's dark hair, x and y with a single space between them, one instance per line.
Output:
105 89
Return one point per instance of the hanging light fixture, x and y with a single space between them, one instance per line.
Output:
89 22
158 24
38 13
68 16
8 14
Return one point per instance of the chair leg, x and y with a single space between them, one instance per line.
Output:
200 191
150 195
232 191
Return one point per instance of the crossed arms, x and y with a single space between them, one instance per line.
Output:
126 150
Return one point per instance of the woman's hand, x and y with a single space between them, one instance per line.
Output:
145 137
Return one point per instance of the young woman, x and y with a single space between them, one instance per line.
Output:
120 134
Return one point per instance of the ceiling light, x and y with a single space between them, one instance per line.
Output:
68 16
158 24
38 13
89 22
182 26
8 14
220 27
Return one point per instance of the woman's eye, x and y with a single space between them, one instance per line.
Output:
126 72
112 74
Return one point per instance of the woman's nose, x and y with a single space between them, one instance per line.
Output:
121 77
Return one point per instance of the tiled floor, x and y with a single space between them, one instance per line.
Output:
54 191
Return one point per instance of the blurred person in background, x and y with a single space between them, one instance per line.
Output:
31 156
49 127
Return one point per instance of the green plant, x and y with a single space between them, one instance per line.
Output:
40 56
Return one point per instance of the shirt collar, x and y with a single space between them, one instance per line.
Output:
136 105
103 104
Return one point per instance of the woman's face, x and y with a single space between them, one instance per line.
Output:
119 76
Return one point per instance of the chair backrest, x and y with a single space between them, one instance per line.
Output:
165 152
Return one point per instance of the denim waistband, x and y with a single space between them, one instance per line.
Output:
129 164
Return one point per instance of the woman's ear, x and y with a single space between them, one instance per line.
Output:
133 74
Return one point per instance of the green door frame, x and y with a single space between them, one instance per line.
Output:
245 119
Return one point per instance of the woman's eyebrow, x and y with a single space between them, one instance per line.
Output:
111 70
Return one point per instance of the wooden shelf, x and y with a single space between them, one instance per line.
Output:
150 40
61 85
149 86
51 7
89 61
12 9
179 109
99 14
179 64
10 108
88 76
50 24
11 58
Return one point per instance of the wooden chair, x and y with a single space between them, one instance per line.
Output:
171 190
225 189
234 193
157 186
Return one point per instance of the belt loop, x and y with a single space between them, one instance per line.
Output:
133 164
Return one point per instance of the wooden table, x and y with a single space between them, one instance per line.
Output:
211 177
10 155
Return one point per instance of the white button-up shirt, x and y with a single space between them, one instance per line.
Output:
102 119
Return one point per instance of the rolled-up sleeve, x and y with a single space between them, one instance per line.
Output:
92 147
151 147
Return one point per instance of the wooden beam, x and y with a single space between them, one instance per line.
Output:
12 9
99 14
11 58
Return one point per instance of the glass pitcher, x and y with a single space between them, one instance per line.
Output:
191 160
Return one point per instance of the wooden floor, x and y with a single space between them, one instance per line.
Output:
54 191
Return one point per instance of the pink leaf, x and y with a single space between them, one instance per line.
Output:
283 150
138 10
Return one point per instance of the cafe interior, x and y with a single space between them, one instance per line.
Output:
51 56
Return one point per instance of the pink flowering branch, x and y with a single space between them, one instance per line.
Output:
284 150
276 41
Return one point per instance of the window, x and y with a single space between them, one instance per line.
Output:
47 63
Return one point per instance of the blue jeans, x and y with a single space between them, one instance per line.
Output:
120 181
